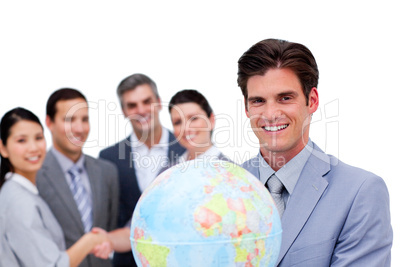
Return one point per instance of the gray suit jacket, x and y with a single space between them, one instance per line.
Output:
29 233
54 189
337 215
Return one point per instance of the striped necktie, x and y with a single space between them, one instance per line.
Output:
276 188
81 198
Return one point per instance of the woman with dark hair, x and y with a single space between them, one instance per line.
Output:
29 233
193 122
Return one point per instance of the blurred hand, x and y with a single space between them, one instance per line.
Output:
104 248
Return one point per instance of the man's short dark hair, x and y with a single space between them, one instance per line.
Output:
59 95
279 54
131 82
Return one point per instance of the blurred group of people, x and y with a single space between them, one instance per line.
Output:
64 208
82 203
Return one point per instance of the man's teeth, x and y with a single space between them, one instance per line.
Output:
190 136
275 128
76 139
143 119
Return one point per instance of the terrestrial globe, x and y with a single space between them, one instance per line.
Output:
206 213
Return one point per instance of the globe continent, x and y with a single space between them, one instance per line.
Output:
206 214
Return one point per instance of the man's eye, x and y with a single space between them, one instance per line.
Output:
176 123
257 101
131 106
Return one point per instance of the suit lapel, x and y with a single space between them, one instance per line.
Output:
94 175
55 177
305 197
125 162
127 167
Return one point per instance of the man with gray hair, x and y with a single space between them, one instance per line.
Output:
140 157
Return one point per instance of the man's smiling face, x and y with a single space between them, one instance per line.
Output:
142 107
278 112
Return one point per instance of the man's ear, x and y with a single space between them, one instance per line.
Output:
48 122
313 100
246 109
160 104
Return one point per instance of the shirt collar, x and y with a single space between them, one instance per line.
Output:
163 142
212 153
24 182
65 163
264 169
289 174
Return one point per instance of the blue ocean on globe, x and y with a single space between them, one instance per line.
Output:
206 213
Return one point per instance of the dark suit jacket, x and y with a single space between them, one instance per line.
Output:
337 215
53 188
120 155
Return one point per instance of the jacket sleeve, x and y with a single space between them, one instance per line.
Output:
366 237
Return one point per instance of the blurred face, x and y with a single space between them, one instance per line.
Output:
70 127
25 148
191 126
141 107
278 112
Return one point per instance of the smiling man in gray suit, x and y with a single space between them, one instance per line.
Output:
81 191
333 214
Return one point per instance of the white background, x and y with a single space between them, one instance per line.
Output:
93 45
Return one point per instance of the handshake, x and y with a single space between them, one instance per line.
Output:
106 242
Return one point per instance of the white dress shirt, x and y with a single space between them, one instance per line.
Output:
149 161
212 154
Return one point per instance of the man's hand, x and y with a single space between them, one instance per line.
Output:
103 249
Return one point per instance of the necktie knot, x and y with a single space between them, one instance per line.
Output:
276 188
75 172
275 185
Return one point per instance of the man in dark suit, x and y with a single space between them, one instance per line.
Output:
81 191
333 214
140 157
